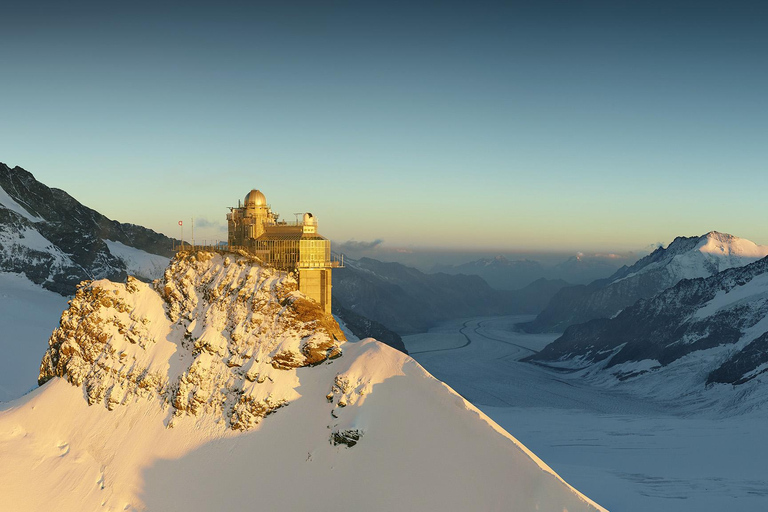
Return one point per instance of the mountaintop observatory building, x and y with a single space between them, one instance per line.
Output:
291 246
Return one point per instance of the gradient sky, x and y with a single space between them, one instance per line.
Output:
517 126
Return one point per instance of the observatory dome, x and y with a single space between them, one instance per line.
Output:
255 198
309 219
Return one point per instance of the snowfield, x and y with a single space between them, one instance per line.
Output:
28 314
635 447
220 387
137 262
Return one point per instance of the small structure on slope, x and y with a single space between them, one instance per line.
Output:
292 246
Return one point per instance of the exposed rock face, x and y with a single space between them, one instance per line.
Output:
56 241
722 319
210 337
363 327
684 258
346 437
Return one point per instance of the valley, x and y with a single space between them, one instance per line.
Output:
626 452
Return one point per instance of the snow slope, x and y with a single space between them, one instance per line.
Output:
181 377
137 262
11 204
28 314
623 449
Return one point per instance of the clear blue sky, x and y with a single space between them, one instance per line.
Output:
519 126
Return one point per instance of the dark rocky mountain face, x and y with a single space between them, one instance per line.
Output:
407 301
61 242
644 279
724 318
363 327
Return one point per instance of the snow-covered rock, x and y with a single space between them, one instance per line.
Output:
154 397
57 242
49 243
208 337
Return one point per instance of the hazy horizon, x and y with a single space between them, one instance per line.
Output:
425 258
591 126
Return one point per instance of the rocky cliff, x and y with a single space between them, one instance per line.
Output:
209 337
57 242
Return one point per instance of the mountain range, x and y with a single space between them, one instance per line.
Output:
408 301
503 273
57 242
684 258
702 340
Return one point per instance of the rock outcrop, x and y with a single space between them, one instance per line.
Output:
210 337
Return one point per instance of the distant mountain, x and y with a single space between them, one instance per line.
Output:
700 332
502 273
407 300
499 272
584 269
57 242
684 258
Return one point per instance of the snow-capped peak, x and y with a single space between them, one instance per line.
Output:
694 257
723 245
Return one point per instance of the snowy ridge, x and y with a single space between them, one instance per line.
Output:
703 342
711 253
684 258
181 375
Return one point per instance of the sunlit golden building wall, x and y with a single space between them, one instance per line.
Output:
287 246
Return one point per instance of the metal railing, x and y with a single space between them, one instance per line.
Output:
262 255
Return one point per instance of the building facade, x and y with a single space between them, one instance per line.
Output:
291 246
